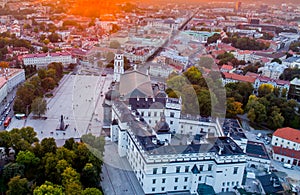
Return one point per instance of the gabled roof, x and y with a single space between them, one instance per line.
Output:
288 133
135 84
238 77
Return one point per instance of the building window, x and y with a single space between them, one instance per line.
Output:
149 114
191 127
185 179
164 170
171 122
237 183
149 121
184 187
209 167
172 114
200 177
162 188
163 180
175 187
186 169
235 170
155 114
153 189
201 167
154 170
176 179
153 181
142 113
177 169
232 183
223 183
222 189
228 183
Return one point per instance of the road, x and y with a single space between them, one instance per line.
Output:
8 104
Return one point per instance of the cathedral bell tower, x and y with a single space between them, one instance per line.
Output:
118 66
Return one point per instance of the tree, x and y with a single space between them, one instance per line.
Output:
214 38
90 176
275 120
27 158
54 37
265 89
256 111
48 83
48 145
18 186
277 60
233 108
4 64
73 188
48 188
91 191
39 106
70 176
30 161
114 45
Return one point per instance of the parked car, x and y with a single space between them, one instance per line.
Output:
287 166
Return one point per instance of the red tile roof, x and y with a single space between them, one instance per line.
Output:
238 77
286 152
288 133
227 67
2 82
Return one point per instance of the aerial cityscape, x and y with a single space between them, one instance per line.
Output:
153 97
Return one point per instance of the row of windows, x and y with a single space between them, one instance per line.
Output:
186 169
232 183
163 188
172 114
175 180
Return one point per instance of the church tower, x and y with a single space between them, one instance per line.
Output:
118 66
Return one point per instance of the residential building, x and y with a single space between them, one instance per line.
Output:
281 84
43 59
272 70
227 68
286 146
294 91
234 78
13 77
292 62
160 70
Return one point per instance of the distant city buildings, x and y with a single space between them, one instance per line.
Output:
43 59
294 91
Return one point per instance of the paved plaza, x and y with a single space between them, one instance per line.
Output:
78 98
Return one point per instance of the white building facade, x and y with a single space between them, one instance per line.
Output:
42 60
286 146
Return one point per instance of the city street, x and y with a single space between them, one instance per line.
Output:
78 99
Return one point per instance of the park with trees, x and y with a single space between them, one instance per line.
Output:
40 167
29 96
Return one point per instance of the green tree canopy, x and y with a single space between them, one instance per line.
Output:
18 186
39 106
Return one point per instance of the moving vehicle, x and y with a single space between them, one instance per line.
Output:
7 122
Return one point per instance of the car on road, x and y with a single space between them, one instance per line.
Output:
3 118
1 122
